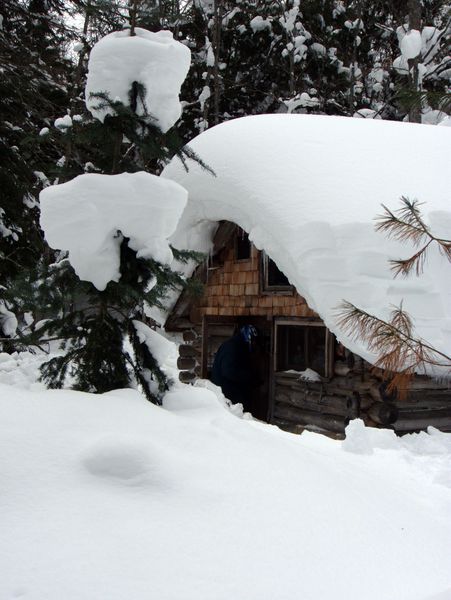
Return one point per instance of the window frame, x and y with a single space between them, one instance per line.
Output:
300 322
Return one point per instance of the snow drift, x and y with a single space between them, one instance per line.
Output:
307 190
109 497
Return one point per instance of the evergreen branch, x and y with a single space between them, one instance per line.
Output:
188 153
400 353
407 224
441 35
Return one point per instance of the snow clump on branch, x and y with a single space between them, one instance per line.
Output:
155 60
90 215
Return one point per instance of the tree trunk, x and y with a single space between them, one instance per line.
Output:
414 75
216 48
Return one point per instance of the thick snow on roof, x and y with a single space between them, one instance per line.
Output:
307 190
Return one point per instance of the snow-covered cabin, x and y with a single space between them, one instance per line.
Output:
288 224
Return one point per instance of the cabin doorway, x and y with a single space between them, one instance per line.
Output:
216 330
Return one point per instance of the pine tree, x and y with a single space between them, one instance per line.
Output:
101 348
33 86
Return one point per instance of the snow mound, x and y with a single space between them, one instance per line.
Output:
361 440
118 457
21 369
89 216
189 398
307 189
434 444
155 60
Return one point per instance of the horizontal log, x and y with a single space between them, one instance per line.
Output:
419 424
426 404
304 417
383 413
419 384
288 425
425 414
333 405
425 397
186 376
186 350
190 335
336 386
186 364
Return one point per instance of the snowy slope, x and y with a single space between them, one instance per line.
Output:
110 497
307 189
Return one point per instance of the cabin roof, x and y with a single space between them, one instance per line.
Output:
307 190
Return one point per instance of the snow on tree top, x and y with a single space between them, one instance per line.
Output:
307 189
155 60
89 215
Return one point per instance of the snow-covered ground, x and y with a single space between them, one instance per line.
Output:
108 497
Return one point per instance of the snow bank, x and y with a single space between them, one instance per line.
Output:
307 189
110 497
434 443
89 215
155 60
21 369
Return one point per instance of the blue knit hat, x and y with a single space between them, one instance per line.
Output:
248 332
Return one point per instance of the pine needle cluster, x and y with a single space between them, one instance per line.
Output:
406 224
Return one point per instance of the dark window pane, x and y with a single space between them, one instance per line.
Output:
316 349
301 347
275 277
242 246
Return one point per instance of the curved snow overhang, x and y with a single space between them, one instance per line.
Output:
307 190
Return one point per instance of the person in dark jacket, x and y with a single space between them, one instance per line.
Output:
232 368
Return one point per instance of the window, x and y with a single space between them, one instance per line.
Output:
242 246
301 346
273 280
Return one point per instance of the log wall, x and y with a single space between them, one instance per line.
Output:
330 405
